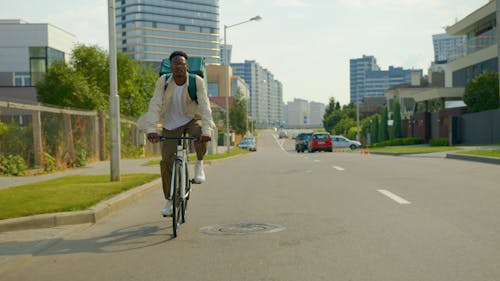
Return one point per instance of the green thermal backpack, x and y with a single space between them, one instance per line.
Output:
196 66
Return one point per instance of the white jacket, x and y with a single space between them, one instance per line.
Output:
163 98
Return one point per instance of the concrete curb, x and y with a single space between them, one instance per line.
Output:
482 159
93 215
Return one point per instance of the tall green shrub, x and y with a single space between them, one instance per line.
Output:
382 132
374 129
396 126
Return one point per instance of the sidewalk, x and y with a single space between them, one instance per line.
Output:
127 166
97 212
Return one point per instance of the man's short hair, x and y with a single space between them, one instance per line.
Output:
178 53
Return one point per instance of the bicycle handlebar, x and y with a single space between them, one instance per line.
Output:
162 138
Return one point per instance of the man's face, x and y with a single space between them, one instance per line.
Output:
179 66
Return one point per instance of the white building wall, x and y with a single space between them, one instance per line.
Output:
17 36
317 110
297 110
13 59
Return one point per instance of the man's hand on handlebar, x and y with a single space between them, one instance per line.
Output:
205 138
153 137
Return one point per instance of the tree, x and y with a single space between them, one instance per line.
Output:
136 84
482 92
64 86
85 83
238 114
382 132
396 126
374 129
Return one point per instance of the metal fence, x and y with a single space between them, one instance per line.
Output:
481 127
42 134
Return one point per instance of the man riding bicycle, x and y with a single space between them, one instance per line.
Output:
177 112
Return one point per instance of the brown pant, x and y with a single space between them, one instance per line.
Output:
169 148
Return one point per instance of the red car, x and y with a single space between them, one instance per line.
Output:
320 141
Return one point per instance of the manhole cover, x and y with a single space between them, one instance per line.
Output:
243 228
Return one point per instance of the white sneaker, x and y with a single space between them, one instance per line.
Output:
199 174
167 210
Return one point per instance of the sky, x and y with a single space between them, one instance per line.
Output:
305 44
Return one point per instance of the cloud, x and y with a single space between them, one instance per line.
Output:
389 3
290 3
86 22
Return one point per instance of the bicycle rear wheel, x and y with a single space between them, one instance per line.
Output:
177 214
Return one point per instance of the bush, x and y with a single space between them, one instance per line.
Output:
13 165
399 141
81 157
439 142
49 163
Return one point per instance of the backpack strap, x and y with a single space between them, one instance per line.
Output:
191 88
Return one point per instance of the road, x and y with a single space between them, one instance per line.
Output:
279 215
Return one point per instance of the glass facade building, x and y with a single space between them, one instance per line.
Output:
447 47
149 30
266 94
367 79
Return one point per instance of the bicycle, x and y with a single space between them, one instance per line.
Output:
180 186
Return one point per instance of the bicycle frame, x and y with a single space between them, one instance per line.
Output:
182 156
179 194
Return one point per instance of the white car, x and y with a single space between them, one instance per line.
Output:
343 142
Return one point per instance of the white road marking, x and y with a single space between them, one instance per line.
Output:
338 168
317 160
393 196
280 142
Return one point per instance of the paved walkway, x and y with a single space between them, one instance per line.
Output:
127 166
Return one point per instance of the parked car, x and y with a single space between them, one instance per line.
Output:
343 142
302 141
282 134
320 142
248 143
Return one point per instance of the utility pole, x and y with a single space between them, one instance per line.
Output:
114 99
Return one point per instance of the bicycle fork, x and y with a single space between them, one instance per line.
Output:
182 174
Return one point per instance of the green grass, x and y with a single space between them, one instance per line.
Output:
489 152
234 151
71 193
420 149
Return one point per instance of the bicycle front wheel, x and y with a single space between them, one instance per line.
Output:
177 201
188 193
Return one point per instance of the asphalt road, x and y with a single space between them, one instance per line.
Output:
279 215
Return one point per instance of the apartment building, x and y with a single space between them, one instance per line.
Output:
480 46
149 30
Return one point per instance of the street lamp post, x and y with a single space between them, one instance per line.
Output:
114 99
357 113
226 76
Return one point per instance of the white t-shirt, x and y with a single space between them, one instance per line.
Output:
176 114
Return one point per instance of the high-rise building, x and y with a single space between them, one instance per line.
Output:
304 114
447 47
368 80
266 93
149 30
358 69
298 113
317 110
